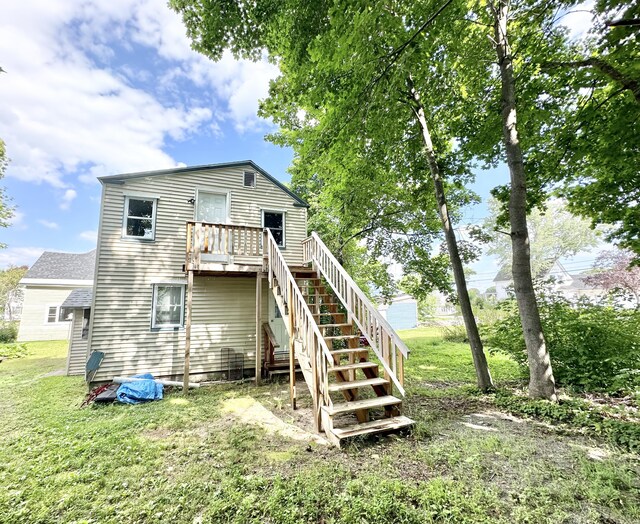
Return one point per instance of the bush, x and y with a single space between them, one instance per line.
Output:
8 331
592 347
13 351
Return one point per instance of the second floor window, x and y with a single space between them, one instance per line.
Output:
139 217
274 221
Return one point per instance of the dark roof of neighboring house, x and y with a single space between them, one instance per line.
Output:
504 273
114 179
63 266
78 298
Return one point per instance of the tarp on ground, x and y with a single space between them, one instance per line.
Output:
138 391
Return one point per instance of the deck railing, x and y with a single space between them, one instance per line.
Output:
221 241
384 341
302 327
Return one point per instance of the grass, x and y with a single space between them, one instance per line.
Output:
194 460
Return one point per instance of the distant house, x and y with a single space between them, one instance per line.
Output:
46 286
571 286
13 305
401 312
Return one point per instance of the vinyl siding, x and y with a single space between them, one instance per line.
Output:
223 307
33 325
77 357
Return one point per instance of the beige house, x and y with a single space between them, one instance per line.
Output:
46 285
207 273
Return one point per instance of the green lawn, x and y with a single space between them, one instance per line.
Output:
190 460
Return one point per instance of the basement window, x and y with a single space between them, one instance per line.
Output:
168 306
249 179
139 218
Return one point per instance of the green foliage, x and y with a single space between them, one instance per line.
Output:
10 350
9 282
8 331
6 211
578 414
593 347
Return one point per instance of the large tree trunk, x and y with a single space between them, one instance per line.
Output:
541 384
477 351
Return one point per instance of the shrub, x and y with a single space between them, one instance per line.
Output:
8 331
13 351
592 347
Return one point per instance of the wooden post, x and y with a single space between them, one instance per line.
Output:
292 347
258 326
187 330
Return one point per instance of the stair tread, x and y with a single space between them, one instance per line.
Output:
357 365
374 426
341 337
345 324
367 403
354 384
348 351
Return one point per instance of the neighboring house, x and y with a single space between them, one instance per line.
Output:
570 286
46 285
401 312
205 272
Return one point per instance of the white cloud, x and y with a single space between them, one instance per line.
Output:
48 224
19 256
17 220
67 111
68 196
92 236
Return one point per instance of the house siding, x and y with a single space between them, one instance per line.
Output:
223 307
77 358
33 325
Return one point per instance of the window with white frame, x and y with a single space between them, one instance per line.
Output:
168 306
274 221
55 314
139 217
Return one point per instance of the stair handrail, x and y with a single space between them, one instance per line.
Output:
371 323
303 319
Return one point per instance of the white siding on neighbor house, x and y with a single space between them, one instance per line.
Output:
33 323
77 357
224 307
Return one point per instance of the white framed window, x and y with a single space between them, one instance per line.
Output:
249 179
168 306
139 219
55 314
275 222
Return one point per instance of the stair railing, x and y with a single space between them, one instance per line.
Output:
384 341
302 326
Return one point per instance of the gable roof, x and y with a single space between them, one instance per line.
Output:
63 266
118 179
504 273
78 298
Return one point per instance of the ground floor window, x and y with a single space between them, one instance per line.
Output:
168 306
55 314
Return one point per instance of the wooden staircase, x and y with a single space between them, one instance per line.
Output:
349 356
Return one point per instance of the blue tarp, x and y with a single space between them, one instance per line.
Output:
138 391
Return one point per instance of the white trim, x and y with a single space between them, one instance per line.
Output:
57 321
55 282
154 288
169 282
213 191
125 216
140 194
284 223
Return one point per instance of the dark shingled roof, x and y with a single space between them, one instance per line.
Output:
64 266
79 298
503 274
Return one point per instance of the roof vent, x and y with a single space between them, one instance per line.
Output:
249 179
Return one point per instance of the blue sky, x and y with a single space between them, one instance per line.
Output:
95 88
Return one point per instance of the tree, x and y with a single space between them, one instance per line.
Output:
554 233
615 274
6 211
9 286
357 73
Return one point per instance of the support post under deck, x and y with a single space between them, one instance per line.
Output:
258 327
187 331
